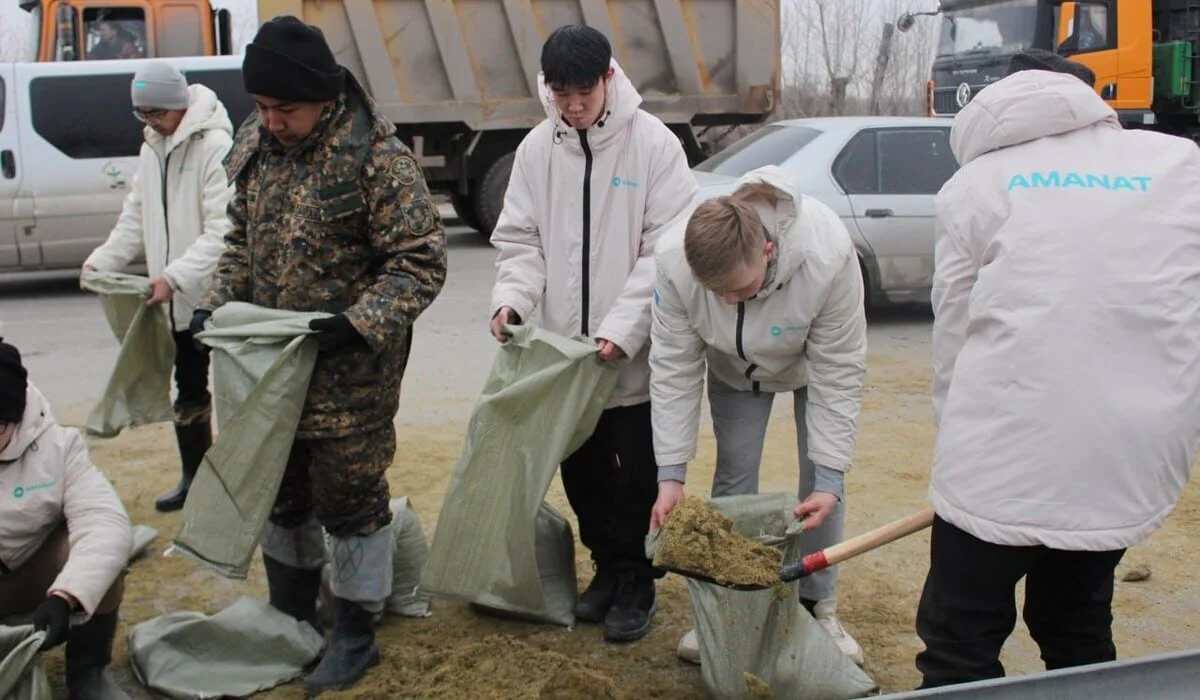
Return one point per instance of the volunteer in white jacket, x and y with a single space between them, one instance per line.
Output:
763 288
591 190
175 214
64 535
1067 325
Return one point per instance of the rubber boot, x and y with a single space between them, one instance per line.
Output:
352 651
361 583
89 652
194 440
293 591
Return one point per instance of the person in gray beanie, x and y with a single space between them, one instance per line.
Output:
175 216
331 214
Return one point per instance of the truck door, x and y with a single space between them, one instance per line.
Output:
1088 33
11 168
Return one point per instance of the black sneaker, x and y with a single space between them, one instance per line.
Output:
629 618
596 600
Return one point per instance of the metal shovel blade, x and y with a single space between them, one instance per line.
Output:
708 579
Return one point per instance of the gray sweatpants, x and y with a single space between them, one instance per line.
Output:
740 425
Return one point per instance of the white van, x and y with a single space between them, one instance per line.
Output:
68 151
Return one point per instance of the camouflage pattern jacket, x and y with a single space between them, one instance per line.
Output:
342 222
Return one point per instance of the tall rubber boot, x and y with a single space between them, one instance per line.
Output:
361 583
194 440
293 559
89 652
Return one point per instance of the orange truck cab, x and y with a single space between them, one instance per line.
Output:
1145 53
89 30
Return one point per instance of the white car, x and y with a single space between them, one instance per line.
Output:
880 174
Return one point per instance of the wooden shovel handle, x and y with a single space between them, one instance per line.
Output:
855 546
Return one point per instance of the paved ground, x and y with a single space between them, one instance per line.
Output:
69 349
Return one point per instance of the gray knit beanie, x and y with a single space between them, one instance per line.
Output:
159 85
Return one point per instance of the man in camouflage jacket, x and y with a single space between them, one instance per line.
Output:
331 213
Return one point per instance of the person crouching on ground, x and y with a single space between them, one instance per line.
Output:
762 286
64 535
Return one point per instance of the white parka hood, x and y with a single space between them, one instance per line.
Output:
621 102
1024 107
204 113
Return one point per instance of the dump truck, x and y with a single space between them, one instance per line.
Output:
91 30
459 79
1145 53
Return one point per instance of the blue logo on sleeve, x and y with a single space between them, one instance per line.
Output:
1088 181
619 181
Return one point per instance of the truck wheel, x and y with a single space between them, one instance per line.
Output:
488 196
466 212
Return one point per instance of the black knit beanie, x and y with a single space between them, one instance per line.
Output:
291 61
1040 59
12 384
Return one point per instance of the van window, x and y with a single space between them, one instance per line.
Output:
107 129
110 129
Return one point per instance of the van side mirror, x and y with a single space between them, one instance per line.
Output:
906 21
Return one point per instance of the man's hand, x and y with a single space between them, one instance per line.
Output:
199 318
670 493
160 291
337 333
53 617
814 509
505 316
609 351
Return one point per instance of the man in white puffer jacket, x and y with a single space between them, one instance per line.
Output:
175 214
761 291
591 190
1067 323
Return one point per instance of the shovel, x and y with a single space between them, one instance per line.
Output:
829 556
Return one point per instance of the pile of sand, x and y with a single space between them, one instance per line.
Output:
698 538
497 666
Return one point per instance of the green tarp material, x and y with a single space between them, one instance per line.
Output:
408 561
262 361
22 676
246 648
497 544
139 388
756 632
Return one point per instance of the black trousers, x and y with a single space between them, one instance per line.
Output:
611 484
193 402
968 607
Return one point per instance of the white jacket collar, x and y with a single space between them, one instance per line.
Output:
204 113
621 102
36 421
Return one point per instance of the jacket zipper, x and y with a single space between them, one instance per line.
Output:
167 228
741 349
587 231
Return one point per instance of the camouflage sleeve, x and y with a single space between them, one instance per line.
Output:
231 279
409 244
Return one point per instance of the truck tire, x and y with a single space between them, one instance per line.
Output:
466 212
488 196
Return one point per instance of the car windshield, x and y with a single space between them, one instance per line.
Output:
1000 27
769 145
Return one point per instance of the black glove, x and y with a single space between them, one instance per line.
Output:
199 317
336 333
53 617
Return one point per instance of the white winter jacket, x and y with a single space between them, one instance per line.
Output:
46 478
185 171
1067 299
806 327
584 248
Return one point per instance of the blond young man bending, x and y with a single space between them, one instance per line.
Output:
763 293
